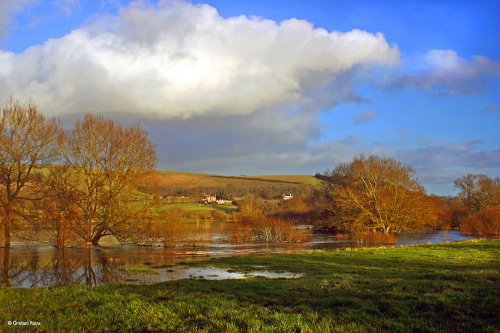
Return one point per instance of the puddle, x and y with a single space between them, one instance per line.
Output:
203 273
275 275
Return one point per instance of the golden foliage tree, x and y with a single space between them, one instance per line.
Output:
374 193
27 140
108 162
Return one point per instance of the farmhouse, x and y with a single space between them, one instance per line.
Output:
208 198
223 202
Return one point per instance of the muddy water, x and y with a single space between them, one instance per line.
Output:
46 266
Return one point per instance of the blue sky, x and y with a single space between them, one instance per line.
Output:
426 92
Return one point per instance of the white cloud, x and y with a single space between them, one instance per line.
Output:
449 74
179 60
10 7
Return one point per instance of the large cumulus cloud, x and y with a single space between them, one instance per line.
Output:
175 60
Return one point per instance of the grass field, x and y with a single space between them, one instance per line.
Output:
189 180
301 179
194 207
450 287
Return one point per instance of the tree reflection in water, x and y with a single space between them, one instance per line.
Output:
44 267
57 267
27 268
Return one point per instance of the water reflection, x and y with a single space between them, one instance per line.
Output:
45 266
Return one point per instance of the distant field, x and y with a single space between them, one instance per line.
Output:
302 179
194 207
190 180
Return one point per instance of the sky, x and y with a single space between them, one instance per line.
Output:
271 87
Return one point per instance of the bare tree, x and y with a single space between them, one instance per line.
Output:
108 162
58 208
373 193
478 191
27 141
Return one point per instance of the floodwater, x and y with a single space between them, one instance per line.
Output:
40 266
179 272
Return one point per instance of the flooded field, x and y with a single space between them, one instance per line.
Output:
46 266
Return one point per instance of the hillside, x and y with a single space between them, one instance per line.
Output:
173 181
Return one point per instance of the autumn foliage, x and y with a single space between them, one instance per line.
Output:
83 183
256 226
373 193
97 179
27 140
484 222
480 196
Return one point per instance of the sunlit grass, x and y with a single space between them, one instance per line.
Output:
433 288
193 207
189 180
139 268
304 179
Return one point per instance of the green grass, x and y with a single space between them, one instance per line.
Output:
190 180
194 207
302 179
139 268
450 287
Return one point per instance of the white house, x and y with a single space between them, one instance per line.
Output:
223 202
208 198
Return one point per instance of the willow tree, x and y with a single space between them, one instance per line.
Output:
373 193
108 162
27 141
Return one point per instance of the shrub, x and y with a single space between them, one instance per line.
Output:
485 222
267 229
242 233
377 237
218 216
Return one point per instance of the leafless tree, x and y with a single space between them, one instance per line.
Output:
27 141
108 162
58 210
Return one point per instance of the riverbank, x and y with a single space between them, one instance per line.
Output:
429 288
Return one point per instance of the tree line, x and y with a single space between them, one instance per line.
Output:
83 183
97 179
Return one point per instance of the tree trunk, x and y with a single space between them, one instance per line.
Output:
1 232
96 237
88 235
95 241
90 277
386 230
6 229
4 276
60 233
